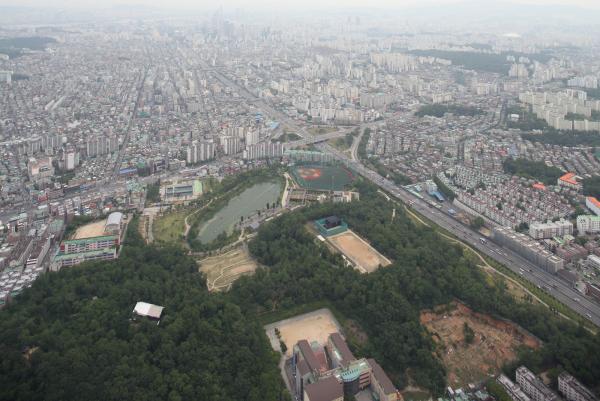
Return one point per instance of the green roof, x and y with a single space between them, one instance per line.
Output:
91 239
83 255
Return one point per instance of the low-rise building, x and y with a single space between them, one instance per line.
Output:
550 229
533 386
588 224
573 390
593 204
569 180
326 373
514 391
528 248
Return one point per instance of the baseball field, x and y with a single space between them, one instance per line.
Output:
325 178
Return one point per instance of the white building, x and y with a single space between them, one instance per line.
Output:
230 144
550 229
512 389
533 386
588 224
573 390
252 137
593 204
6 77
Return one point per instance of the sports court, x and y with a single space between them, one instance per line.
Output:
366 258
312 326
323 178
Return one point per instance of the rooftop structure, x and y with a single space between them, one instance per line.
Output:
331 225
150 311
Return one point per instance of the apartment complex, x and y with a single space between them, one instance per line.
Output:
528 248
533 386
550 229
512 389
593 204
588 224
573 390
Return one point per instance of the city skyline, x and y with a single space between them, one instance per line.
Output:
277 5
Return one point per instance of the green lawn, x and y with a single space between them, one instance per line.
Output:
169 227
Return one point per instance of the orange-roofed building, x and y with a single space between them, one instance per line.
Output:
593 204
540 186
569 180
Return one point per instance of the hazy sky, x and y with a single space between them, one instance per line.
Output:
278 4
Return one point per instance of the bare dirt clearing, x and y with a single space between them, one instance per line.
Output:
495 342
367 258
312 326
222 270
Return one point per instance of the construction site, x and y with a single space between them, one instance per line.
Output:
474 346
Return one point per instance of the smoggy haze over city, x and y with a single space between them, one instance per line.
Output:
282 5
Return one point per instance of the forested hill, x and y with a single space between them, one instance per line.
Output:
426 271
69 337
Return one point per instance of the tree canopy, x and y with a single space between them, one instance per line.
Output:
70 337
536 170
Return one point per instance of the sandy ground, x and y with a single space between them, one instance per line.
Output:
312 326
94 229
359 251
222 270
495 343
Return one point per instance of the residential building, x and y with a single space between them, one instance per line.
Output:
533 386
588 224
593 204
569 180
550 229
5 77
573 390
515 393
528 248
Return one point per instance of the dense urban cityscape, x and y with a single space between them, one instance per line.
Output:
342 204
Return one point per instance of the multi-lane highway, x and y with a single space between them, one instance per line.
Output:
546 281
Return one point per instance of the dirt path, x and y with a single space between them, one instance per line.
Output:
187 224
284 196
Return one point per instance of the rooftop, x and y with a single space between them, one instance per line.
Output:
569 178
328 389
149 310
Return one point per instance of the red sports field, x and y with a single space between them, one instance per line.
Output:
325 178
309 173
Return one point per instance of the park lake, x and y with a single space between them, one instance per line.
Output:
245 204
